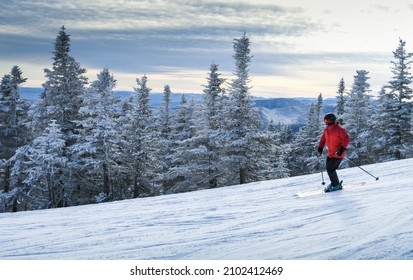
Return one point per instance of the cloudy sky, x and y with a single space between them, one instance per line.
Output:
300 47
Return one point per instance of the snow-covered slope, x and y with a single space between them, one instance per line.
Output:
263 220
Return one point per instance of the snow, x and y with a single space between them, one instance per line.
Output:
257 221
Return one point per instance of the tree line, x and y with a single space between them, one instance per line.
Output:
79 143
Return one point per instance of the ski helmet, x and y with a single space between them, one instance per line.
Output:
330 118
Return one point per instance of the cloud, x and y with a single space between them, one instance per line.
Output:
129 33
42 15
178 40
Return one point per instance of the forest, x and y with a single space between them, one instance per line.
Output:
79 143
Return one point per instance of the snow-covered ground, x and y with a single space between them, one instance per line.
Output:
263 220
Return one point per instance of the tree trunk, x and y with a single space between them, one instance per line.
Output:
106 189
242 175
7 179
135 187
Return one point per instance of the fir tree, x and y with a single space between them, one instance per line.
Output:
165 114
358 112
180 174
14 132
165 129
212 124
307 139
386 127
41 168
13 114
281 167
242 145
213 98
63 91
200 153
97 149
400 88
142 142
341 99
279 152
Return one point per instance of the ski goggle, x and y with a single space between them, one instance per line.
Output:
327 121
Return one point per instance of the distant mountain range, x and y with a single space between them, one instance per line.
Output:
291 111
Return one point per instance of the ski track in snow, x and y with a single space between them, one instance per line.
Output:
261 220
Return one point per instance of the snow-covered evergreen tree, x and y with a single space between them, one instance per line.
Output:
13 122
13 114
199 154
212 125
41 170
142 142
183 130
341 98
385 124
400 87
280 151
63 91
283 132
62 96
97 149
165 128
281 167
358 119
166 114
213 98
305 144
243 147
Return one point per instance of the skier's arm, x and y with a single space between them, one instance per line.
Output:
322 141
321 145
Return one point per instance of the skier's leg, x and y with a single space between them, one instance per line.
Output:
331 166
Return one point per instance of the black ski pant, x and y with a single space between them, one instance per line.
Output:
331 166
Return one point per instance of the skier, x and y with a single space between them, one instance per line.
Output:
337 140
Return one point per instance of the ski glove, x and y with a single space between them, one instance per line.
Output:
319 151
340 151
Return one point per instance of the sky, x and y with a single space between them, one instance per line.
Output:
300 48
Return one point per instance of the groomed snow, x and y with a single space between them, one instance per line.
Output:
263 220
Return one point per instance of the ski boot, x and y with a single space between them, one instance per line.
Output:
331 188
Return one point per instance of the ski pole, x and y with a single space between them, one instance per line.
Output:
322 176
377 178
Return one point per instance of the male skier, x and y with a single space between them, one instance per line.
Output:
337 140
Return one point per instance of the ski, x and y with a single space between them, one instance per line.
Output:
318 191
308 193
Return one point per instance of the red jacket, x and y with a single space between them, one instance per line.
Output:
334 137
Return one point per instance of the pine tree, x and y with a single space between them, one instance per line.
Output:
199 155
13 122
142 142
279 153
385 124
307 139
242 145
63 91
341 99
400 88
13 114
165 128
212 124
41 168
281 168
181 162
213 98
97 149
358 112
165 113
